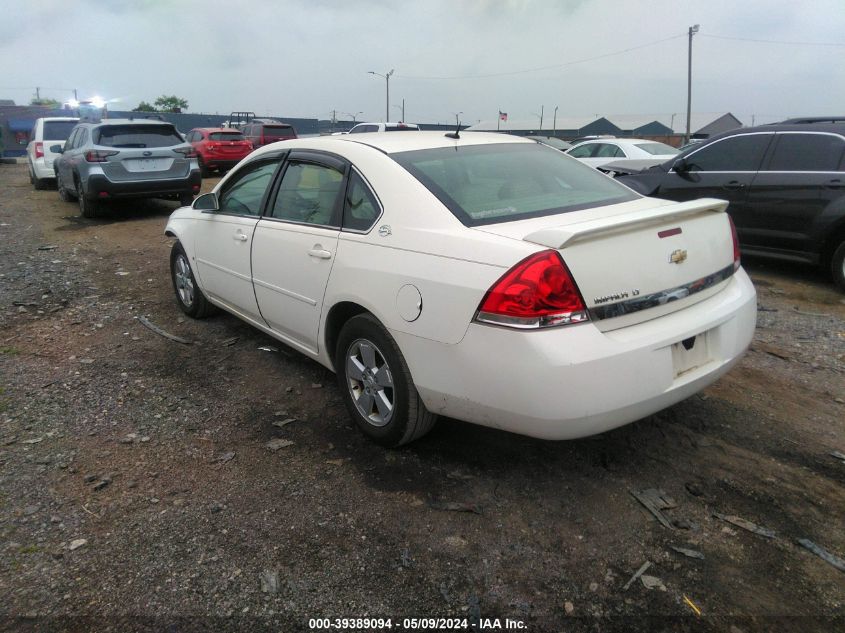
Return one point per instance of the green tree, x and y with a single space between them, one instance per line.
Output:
144 107
45 102
171 103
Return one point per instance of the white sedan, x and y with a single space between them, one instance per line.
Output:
483 277
598 152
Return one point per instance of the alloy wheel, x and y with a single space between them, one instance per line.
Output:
184 282
370 382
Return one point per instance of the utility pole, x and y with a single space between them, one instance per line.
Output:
75 98
37 93
541 117
692 31
387 92
334 119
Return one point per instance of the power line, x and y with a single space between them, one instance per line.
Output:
747 39
553 66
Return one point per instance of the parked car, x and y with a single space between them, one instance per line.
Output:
47 132
484 277
363 128
597 152
218 148
785 184
261 133
125 158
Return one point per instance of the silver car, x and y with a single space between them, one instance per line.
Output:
125 158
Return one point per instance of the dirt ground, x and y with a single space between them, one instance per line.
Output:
137 490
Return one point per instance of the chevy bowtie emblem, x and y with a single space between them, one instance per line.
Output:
678 256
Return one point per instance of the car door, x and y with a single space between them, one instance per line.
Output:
722 169
62 164
795 186
223 237
295 245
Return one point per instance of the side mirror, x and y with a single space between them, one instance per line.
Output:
57 149
681 166
206 202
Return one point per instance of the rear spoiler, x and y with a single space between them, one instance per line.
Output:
558 237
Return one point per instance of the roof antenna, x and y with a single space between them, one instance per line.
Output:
456 134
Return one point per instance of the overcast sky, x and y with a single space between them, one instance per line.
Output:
305 58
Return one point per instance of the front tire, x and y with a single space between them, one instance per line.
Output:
188 294
377 386
837 266
88 208
64 193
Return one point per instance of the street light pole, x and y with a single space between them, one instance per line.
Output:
387 92
692 31
554 123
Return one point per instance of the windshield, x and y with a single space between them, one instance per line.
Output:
657 148
137 136
487 184
225 136
58 130
278 131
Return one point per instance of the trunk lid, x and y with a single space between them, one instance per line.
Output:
638 260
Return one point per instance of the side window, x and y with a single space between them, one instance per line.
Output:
583 151
606 150
807 152
81 138
360 209
243 197
308 194
737 153
71 140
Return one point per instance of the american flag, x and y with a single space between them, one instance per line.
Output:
503 116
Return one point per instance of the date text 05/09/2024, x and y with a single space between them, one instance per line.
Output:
413 624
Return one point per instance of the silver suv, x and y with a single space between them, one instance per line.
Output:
125 158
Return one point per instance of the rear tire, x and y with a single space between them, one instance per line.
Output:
40 184
837 266
377 386
188 294
205 172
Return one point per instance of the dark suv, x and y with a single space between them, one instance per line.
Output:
785 183
261 133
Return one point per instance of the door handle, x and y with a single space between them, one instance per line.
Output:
734 184
240 237
320 253
836 183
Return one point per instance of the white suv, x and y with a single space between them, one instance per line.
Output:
47 132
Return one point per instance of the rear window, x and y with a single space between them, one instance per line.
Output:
488 184
225 136
58 130
137 136
657 148
278 130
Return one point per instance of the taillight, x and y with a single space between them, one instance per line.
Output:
39 150
98 155
187 152
538 292
735 238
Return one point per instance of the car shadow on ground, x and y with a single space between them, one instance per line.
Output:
120 211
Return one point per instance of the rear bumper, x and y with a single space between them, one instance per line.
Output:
42 169
214 162
99 187
575 381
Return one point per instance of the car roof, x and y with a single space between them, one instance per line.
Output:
127 122
394 143
230 130
833 128
58 118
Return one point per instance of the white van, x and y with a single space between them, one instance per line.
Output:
46 132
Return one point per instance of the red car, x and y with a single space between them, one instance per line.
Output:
218 148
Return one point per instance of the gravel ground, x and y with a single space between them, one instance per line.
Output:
157 486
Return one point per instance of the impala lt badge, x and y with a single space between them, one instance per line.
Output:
678 256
